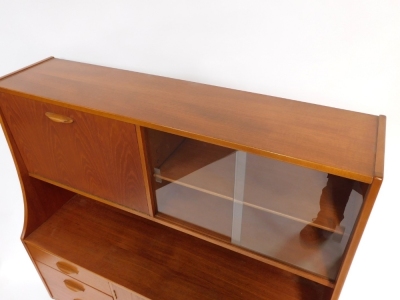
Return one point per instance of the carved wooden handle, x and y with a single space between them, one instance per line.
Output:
74 286
58 118
66 268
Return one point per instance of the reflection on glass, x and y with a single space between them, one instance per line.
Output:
332 203
295 215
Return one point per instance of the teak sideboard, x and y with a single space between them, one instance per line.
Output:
144 187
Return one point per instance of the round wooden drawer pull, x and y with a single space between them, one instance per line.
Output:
58 118
74 286
66 268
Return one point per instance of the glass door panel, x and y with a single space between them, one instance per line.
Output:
292 214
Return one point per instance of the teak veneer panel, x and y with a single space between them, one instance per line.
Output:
327 139
161 263
34 191
94 154
57 283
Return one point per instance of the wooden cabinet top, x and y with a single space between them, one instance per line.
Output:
331 140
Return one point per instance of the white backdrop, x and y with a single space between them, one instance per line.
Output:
344 54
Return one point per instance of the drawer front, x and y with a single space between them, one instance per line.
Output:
63 287
94 154
70 269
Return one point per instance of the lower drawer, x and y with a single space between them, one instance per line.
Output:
70 269
63 287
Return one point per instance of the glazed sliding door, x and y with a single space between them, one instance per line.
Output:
297 216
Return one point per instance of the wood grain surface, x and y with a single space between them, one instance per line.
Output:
36 211
160 263
368 204
96 155
327 139
70 269
63 287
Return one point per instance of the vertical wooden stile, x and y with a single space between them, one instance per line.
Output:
142 143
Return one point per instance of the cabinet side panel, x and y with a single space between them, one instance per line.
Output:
369 202
357 234
380 147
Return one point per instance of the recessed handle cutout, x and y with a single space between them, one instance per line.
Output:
66 268
74 286
59 118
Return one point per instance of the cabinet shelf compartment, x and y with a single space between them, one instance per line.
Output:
140 255
195 183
